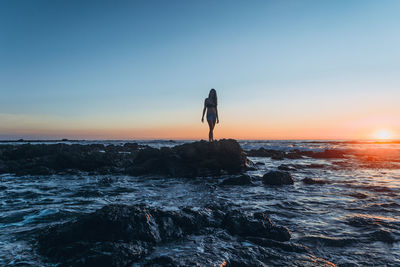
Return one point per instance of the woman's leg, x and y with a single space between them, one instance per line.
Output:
211 124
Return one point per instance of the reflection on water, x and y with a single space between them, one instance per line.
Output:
354 218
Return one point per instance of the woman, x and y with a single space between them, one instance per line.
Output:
210 104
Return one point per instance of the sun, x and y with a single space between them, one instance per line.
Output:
383 134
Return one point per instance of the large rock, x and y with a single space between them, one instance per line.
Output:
277 178
193 159
118 235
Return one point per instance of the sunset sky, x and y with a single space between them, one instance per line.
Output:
141 69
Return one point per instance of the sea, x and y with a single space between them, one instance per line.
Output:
351 217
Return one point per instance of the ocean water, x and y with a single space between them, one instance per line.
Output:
353 219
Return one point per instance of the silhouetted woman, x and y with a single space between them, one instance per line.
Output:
210 104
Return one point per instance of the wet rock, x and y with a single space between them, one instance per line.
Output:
192 159
262 152
315 166
240 180
358 195
329 154
295 154
308 180
277 178
3 167
285 167
118 235
260 225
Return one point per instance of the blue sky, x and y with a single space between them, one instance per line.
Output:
96 69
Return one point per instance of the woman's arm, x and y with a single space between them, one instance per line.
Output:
204 111
216 112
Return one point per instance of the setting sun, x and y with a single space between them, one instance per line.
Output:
383 134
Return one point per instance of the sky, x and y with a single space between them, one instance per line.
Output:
287 69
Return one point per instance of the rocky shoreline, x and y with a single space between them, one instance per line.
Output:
121 235
187 160
118 235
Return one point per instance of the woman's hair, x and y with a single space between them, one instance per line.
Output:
213 96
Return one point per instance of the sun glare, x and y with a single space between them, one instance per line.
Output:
383 135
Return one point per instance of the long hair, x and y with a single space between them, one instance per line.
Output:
213 96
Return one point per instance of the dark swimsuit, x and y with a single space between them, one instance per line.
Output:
211 116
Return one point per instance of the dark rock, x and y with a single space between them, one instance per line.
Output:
315 166
329 154
294 155
358 195
118 235
262 152
241 180
313 181
278 157
192 159
285 167
3 168
259 225
277 178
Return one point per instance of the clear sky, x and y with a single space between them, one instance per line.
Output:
284 69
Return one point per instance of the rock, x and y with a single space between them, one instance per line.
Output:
240 180
277 178
259 226
192 159
3 168
118 235
315 166
285 167
329 154
262 152
308 180
187 160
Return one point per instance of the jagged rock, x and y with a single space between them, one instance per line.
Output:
308 180
118 235
187 160
329 154
277 178
192 159
285 167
